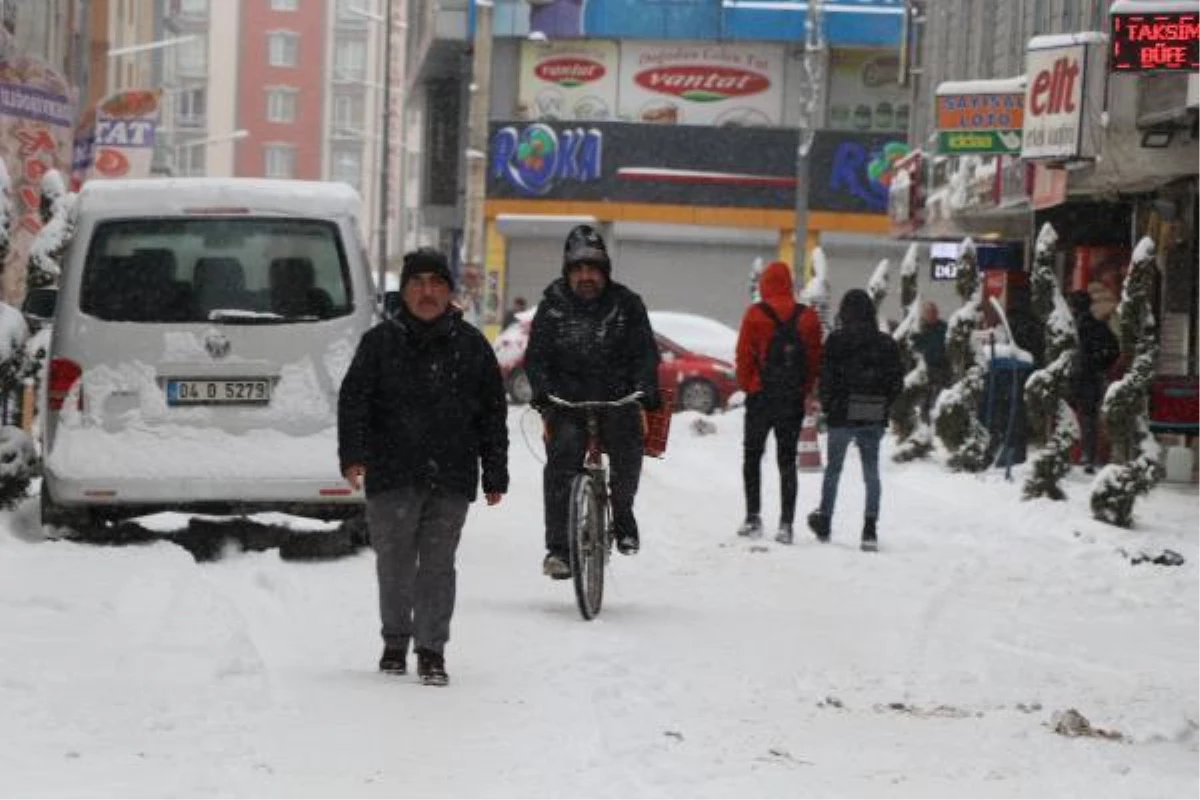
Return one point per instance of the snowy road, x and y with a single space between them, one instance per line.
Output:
719 667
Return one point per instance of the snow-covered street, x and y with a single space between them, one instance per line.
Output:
719 667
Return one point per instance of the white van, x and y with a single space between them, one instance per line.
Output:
202 331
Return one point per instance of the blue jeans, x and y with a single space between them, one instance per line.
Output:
867 438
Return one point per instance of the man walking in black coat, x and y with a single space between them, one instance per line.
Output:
590 340
420 409
1098 351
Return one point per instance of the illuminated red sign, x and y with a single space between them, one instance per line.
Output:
1148 42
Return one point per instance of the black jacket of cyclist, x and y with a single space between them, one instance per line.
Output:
590 340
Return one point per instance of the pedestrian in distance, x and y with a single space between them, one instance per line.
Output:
420 411
778 355
861 376
930 342
1098 351
590 340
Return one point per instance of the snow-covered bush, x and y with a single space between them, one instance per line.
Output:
1052 423
913 437
1125 409
877 286
816 291
954 416
56 210
18 455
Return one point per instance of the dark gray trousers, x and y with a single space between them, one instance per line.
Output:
415 533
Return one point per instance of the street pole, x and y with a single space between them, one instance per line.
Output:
385 155
810 104
477 120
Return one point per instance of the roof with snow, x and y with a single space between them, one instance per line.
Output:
991 86
178 196
1050 41
1153 6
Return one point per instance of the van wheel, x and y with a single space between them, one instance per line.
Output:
518 387
325 545
79 521
697 395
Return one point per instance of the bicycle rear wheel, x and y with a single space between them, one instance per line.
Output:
585 530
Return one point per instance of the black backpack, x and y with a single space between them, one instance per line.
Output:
785 368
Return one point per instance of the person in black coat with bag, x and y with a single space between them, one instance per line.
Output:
422 406
590 340
1098 351
861 376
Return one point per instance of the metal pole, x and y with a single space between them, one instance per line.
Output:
810 104
385 156
477 132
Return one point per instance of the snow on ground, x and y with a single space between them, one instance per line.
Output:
719 667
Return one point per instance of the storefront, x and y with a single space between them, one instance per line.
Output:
687 208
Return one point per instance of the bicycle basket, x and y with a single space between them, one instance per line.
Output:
658 424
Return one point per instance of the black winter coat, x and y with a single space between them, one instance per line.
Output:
598 350
858 359
1098 351
423 404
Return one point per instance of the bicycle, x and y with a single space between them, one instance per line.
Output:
588 531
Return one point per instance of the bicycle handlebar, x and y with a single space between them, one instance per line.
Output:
628 400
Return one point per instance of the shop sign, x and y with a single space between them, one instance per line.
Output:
1055 97
537 157
980 123
571 80
701 84
126 124
1159 41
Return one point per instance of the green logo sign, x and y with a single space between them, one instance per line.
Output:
997 143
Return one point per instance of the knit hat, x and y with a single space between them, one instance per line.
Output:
424 260
585 244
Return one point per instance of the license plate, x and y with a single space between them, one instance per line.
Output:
218 392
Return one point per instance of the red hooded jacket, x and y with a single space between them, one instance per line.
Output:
775 288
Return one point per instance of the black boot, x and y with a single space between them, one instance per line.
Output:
818 523
394 660
870 542
431 668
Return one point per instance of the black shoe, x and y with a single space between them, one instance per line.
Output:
818 523
625 532
431 668
556 567
870 538
752 527
394 661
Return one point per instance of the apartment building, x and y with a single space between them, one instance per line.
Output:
289 89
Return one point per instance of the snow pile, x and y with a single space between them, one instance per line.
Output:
58 212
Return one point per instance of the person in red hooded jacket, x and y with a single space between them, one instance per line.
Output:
776 389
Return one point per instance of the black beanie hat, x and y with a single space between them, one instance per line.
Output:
585 244
426 259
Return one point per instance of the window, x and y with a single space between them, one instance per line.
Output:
282 48
285 5
281 106
193 56
350 59
348 110
280 160
194 8
191 108
189 269
190 159
347 166
352 11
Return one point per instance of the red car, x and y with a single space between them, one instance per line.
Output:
702 383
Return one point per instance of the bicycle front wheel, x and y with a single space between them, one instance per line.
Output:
585 530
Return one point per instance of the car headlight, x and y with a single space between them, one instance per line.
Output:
729 375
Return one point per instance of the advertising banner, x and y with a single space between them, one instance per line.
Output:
979 122
37 124
568 80
1165 40
701 84
864 93
126 125
688 165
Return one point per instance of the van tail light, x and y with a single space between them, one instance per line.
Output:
64 373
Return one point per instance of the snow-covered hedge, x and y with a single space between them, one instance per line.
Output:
45 254
954 417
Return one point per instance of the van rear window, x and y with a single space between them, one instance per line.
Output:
243 270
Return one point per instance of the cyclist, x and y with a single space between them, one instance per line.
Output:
590 340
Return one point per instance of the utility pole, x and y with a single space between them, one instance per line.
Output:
477 131
814 60
385 156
